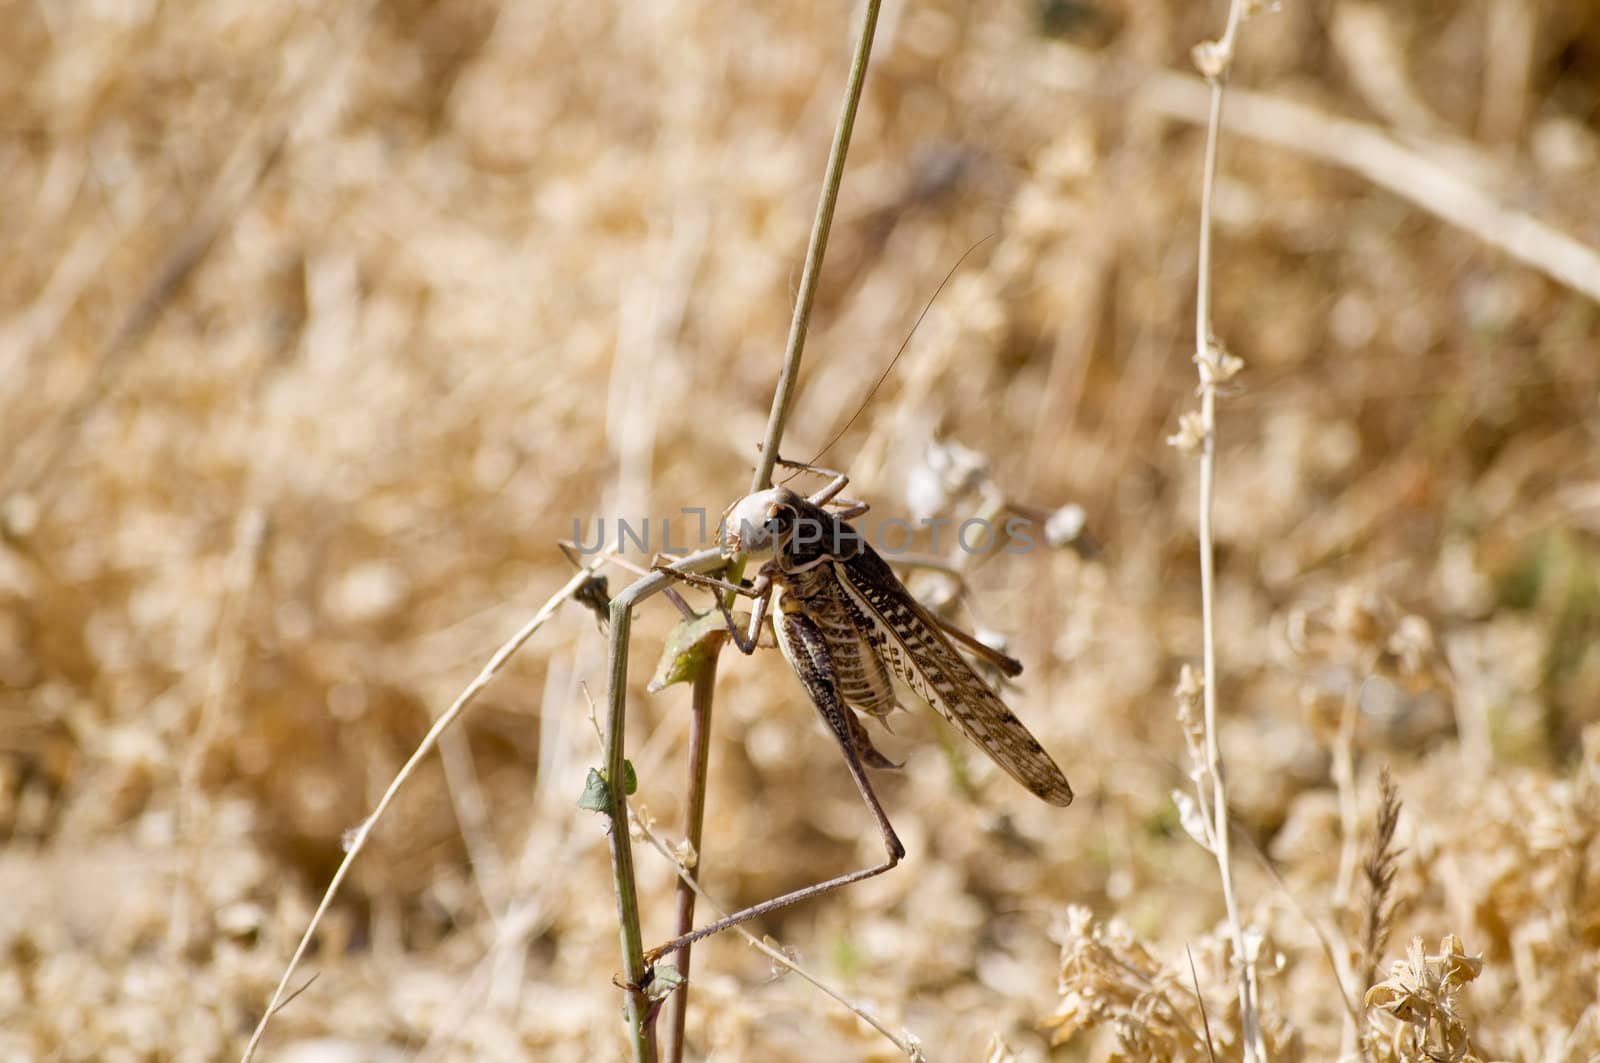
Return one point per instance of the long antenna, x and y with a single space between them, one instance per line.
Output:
903 345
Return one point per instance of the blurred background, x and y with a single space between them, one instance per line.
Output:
322 323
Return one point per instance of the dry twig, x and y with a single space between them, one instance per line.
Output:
358 836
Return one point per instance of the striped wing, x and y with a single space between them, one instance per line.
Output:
909 640
863 677
807 646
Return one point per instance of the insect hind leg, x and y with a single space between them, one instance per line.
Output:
803 644
758 591
862 742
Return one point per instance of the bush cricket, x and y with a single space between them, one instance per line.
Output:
846 625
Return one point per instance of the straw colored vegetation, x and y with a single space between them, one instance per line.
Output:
322 323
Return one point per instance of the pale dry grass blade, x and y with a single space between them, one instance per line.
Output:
1216 367
358 837
1357 146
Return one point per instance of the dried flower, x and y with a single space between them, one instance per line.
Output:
1190 434
1420 994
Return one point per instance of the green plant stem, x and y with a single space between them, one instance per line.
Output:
831 179
705 687
636 1005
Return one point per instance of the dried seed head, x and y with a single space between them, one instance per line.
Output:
1356 617
946 472
1216 366
1210 59
1420 993
1065 525
1190 434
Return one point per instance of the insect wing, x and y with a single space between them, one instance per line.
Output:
919 653
809 652
817 541
862 674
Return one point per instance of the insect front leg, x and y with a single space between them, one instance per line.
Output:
758 613
836 483
759 591
849 510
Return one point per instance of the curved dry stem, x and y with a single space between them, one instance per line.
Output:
832 177
1214 58
1408 173
358 837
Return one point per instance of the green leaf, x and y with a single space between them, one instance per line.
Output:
691 643
596 794
664 979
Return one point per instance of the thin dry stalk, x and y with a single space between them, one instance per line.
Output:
1360 147
637 1005
472 814
705 686
1344 780
358 836
783 397
1337 963
1200 999
250 536
1215 366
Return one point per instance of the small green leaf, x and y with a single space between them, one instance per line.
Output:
596 795
664 979
847 958
688 647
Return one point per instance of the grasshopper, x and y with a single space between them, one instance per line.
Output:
846 625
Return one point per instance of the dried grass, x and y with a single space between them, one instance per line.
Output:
517 264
